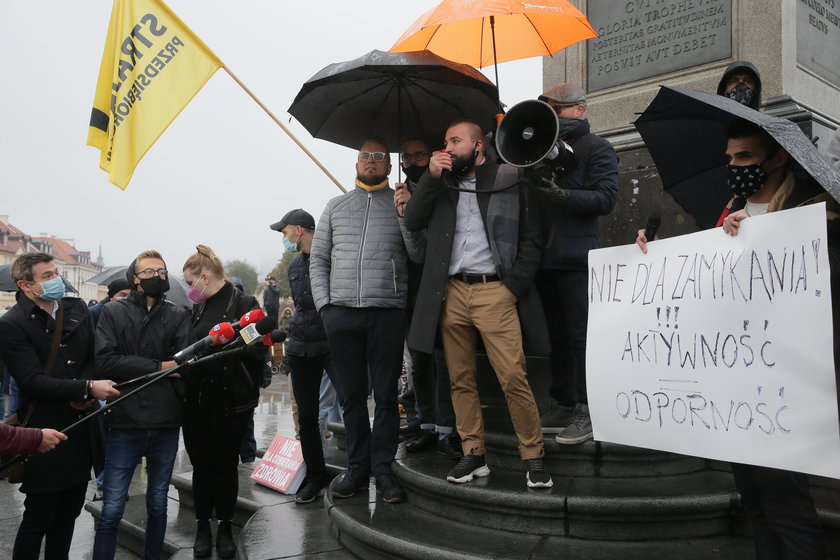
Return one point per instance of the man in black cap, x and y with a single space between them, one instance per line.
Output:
570 229
271 297
307 351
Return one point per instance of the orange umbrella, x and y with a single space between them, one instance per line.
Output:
485 32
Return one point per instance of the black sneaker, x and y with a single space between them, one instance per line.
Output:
467 468
309 492
450 447
390 490
537 476
411 429
424 441
349 482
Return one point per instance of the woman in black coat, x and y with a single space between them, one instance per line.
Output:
218 403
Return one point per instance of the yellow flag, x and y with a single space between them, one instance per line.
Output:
153 65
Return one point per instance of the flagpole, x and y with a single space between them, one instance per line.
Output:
285 129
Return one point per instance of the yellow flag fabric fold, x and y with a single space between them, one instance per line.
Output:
152 66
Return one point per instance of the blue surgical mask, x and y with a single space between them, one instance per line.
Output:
291 247
53 289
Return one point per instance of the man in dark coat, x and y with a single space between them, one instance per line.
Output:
55 482
307 350
570 231
434 423
271 297
482 252
136 336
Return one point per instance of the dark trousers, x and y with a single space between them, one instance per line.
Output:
368 341
52 515
213 441
785 522
306 386
431 390
563 294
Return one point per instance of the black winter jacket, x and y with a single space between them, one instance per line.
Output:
570 229
132 341
26 333
232 383
306 330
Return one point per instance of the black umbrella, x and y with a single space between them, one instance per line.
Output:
393 96
177 289
684 131
8 285
108 275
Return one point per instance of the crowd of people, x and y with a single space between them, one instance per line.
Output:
468 248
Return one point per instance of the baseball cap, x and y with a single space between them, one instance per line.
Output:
297 217
565 94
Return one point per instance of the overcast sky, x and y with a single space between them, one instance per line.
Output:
223 171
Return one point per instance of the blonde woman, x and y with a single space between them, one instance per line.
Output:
219 399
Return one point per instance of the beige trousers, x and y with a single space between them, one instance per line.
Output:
489 310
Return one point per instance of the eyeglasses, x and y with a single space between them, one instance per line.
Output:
149 272
406 157
375 156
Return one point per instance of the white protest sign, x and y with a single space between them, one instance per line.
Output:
719 346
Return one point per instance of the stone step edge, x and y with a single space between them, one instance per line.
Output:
386 542
414 481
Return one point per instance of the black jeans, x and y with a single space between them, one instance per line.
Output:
213 442
432 390
563 294
306 386
368 341
52 515
785 522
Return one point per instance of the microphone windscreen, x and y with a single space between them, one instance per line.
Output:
251 317
266 325
222 333
278 336
654 220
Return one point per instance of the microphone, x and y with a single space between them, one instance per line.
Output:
252 316
252 333
274 337
223 333
652 226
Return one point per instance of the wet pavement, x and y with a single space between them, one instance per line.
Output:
272 416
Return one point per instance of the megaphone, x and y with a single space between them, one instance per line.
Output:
528 135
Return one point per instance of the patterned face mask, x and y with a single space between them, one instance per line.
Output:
746 180
741 93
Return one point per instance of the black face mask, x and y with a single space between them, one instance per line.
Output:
566 125
741 93
155 286
414 172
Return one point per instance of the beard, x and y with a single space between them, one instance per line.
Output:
371 180
462 165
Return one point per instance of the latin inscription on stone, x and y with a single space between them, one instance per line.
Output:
643 38
818 37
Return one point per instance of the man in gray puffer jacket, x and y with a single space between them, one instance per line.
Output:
359 283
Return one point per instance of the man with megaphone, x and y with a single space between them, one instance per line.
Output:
482 252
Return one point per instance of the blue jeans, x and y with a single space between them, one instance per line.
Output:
125 448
